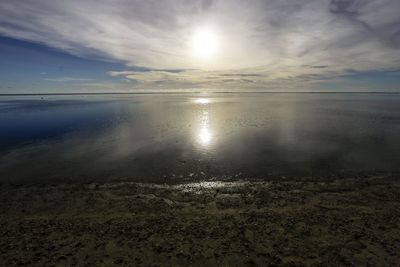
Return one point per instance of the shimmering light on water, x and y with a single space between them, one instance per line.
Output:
203 101
204 134
200 186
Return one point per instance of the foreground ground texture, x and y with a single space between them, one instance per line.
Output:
347 222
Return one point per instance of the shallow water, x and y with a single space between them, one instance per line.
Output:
165 138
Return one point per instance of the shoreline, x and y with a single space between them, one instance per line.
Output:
244 223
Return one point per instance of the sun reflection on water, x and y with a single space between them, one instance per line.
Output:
203 101
204 135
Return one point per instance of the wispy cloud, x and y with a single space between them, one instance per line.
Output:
216 80
261 41
66 79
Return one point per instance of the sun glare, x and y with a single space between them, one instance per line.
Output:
204 135
204 44
202 101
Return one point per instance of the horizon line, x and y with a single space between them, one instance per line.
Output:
196 92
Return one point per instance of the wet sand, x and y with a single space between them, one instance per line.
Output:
346 222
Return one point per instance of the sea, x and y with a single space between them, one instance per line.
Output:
174 138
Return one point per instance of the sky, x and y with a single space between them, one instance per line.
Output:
57 46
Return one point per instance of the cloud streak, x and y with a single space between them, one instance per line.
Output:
66 79
261 41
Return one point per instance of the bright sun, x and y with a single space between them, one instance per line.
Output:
204 44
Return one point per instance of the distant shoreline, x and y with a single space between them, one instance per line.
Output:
196 92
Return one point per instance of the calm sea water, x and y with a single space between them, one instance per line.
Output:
172 138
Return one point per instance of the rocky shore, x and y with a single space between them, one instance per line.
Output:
346 222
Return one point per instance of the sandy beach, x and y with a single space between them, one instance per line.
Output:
346 222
